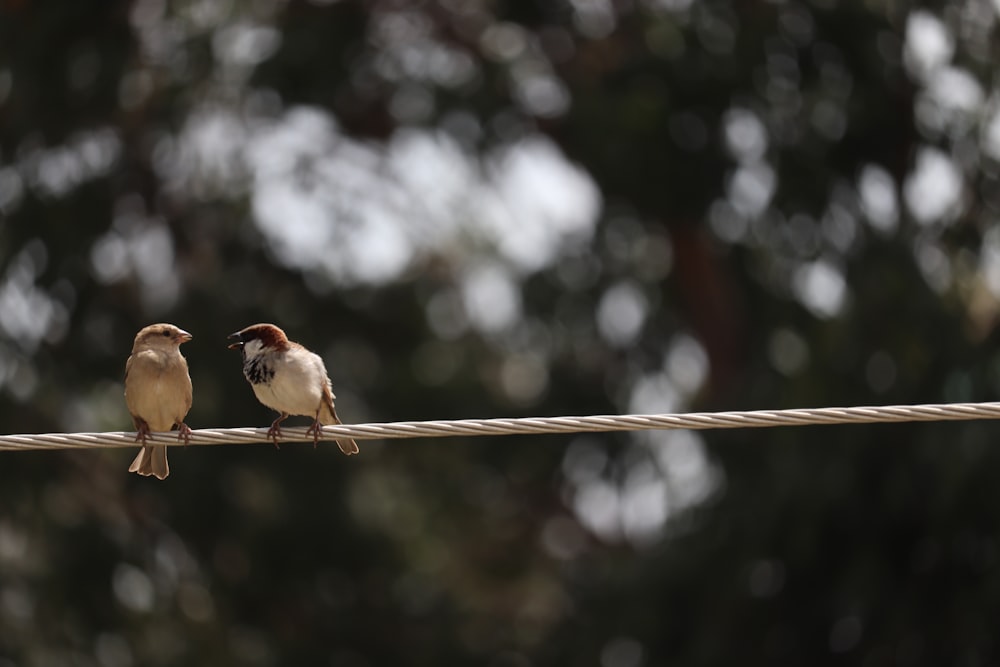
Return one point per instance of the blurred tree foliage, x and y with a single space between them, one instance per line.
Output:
480 209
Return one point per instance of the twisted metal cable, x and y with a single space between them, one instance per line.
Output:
526 425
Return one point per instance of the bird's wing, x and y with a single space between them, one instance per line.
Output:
188 390
136 421
328 402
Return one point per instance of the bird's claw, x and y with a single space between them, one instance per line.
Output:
274 433
315 430
141 432
184 433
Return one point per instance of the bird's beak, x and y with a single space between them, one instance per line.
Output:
184 335
238 341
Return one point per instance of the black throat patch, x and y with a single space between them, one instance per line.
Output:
258 372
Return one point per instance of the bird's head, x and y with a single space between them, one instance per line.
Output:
258 337
160 335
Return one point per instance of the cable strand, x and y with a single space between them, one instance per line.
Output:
523 426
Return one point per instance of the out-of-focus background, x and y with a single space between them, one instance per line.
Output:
485 209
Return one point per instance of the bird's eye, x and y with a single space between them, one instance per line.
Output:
166 333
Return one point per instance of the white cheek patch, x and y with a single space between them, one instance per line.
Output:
253 347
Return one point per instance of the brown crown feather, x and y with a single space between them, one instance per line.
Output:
268 334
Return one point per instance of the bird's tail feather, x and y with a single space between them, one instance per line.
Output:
151 461
329 417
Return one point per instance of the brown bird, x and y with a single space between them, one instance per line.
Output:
157 393
288 378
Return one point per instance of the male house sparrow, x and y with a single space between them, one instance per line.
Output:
157 393
288 378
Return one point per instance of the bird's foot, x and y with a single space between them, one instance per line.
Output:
275 431
141 431
184 433
315 431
